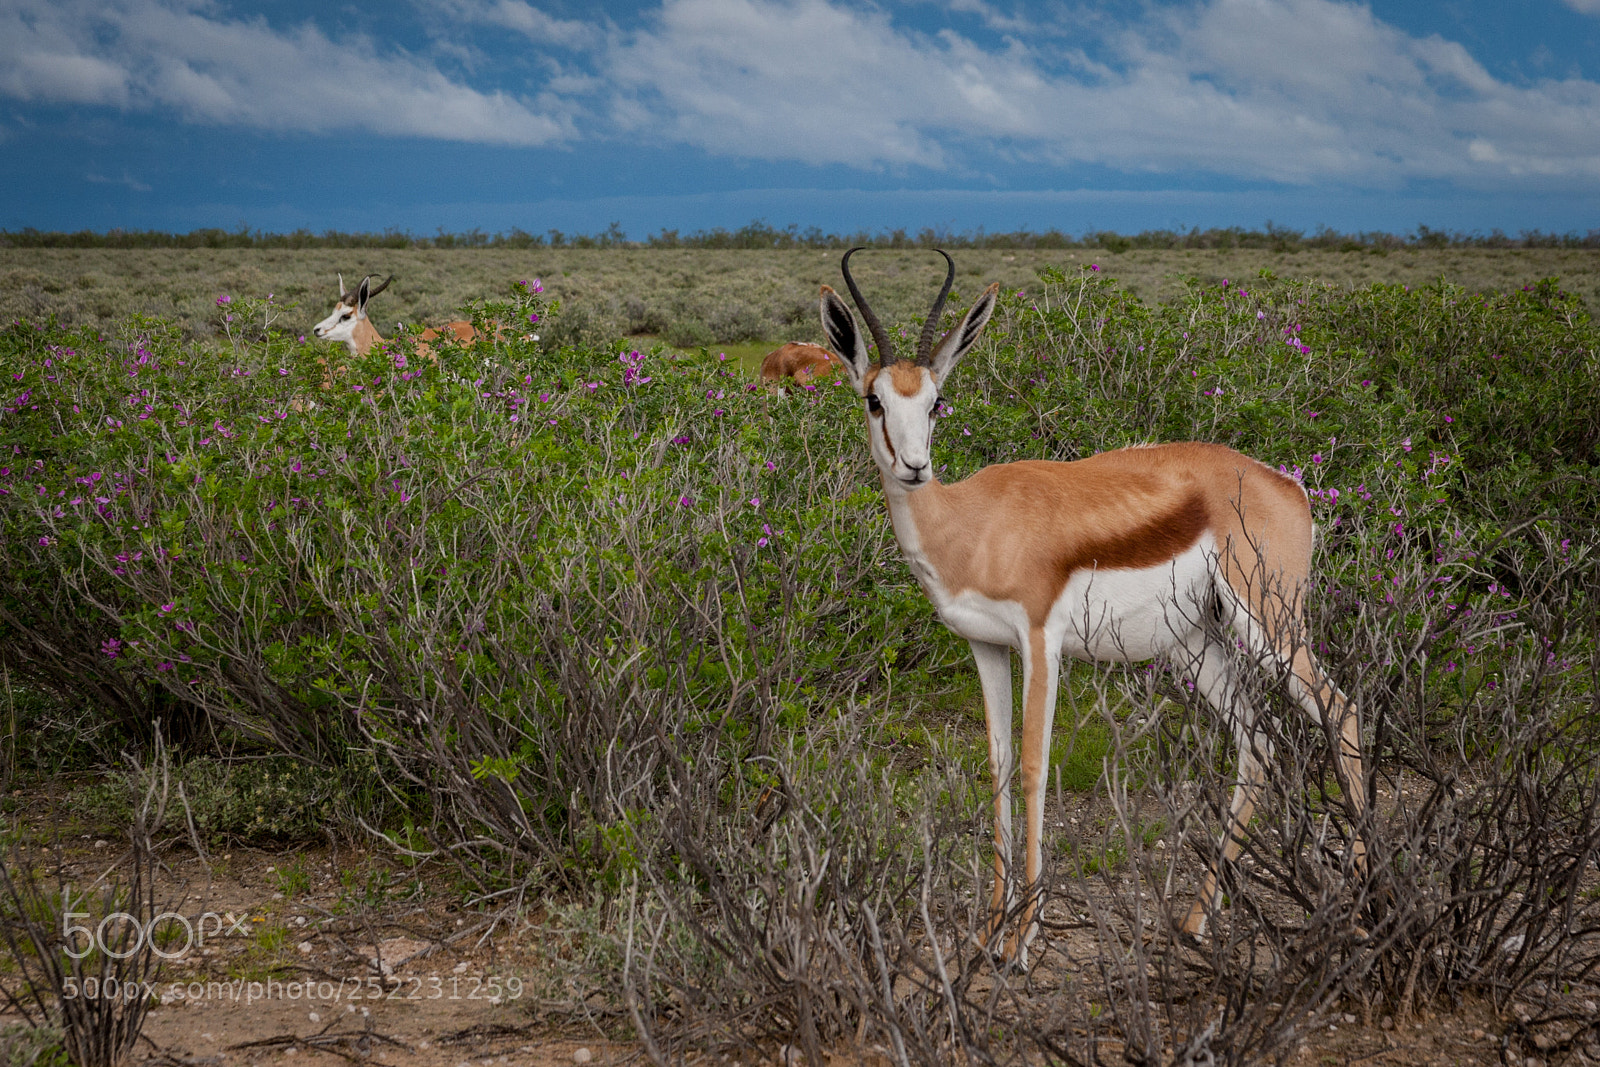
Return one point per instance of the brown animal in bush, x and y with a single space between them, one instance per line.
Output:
800 361
348 322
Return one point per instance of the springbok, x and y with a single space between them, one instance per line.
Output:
1140 553
801 361
349 323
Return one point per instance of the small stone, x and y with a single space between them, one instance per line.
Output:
1387 1022
305 948
102 843
314 1017
461 968
1544 1042
582 1055
1350 1020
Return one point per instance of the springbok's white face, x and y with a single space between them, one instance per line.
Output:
348 313
902 396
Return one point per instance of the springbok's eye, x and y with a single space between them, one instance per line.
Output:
874 405
938 402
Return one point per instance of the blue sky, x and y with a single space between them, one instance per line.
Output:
689 114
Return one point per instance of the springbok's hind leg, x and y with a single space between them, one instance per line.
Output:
1327 704
1215 678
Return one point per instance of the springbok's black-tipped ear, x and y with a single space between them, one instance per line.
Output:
843 336
341 286
959 341
363 292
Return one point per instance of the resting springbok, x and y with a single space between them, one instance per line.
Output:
801 361
1128 555
349 322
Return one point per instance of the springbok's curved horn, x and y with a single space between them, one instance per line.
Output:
931 328
374 292
885 349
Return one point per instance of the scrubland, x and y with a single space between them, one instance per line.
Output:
689 296
607 653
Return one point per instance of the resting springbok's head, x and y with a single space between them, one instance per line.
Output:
348 321
902 395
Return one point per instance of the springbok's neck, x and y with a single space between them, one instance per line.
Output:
364 336
903 511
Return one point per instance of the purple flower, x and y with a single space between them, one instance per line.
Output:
684 501
755 502
224 299
533 316
1094 266
111 647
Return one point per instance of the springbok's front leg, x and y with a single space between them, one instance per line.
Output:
994 674
1041 670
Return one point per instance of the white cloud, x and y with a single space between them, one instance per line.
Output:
1300 92
1584 7
127 179
527 20
815 81
142 54
1295 91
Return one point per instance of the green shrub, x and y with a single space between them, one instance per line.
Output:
688 333
274 798
32 1046
497 585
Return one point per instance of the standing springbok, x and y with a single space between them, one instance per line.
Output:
798 360
349 323
1128 555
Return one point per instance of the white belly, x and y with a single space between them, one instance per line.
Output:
1126 615
1134 614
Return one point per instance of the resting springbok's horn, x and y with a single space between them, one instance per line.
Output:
374 292
885 348
930 329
